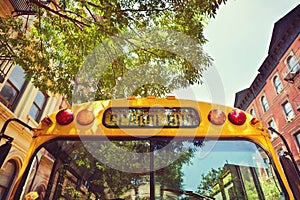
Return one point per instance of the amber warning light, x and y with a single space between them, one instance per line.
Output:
217 117
175 117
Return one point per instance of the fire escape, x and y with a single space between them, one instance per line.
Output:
20 8
5 64
293 77
292 73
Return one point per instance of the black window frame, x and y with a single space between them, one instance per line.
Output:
277 84
287 113
264 103
13 103
12 178
40 109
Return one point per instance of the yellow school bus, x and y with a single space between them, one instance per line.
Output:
152 148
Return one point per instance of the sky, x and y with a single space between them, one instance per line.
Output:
238 41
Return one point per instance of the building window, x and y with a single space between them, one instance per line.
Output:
277 84
297 135
288 110
293 64
13 88
38 106
264 103
7 177
252 112
271 123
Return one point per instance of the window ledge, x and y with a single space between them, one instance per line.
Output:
290 119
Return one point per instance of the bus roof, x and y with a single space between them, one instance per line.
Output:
152 117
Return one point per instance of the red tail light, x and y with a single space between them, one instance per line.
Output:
237 117
64 117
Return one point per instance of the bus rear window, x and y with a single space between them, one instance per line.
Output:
152 169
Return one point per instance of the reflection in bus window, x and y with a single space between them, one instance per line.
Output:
7 176
133 169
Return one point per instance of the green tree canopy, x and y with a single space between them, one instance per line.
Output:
64 35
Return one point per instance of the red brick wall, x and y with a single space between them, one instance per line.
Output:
290 93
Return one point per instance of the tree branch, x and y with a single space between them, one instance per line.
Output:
132 10
139 47
36 2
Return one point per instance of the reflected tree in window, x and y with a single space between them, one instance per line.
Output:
210 181
91 165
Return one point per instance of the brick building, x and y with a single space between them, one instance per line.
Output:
274 95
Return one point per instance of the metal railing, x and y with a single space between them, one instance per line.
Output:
22 7
5 60
293 71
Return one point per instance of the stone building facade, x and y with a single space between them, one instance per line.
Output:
19 99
